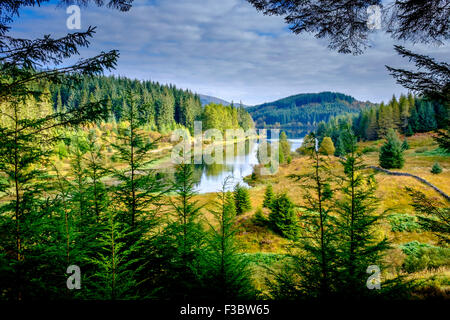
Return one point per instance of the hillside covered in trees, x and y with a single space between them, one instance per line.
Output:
407 115
161 107
304 110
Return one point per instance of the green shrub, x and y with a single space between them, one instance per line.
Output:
259 217
422 256
327 147
405 145
421 150
403 223
413 247
436 169
369 149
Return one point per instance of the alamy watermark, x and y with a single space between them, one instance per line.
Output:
374 281
374 17
73 22
74 281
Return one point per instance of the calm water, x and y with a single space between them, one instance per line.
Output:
211 177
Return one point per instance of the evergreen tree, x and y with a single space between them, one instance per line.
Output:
405 144
404 113
340 147
371 131
356 221
310 274
114 276
182 241
96 171
138 187
285 148
242 199
414 121
385 121
268 196
433 215
227 273
137 196
391 152
27 210
283 217
436 169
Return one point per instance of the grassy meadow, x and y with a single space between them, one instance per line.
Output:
399 223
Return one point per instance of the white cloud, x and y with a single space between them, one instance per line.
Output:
226 49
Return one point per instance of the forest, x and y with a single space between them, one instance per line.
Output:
86 215
407 115
161 107
304 110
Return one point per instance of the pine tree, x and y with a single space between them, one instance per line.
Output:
414 119
282 217
138 187
436 169
385 121
405 144
96 171
313 255
433 215
114 276
285 148
268 196
371 131
391 152
356 222
396 117
227 273
181 242
26 144
340 147
136 198
242 199
404 113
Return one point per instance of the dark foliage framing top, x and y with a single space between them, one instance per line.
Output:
344 22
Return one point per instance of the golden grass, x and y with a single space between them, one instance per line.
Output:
391 192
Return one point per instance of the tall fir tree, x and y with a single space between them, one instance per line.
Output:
311 271
391 152
227 273
359 246
182 241
268 196
241 199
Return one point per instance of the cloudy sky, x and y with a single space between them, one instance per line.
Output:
225 48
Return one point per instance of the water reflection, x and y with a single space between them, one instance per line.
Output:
240 164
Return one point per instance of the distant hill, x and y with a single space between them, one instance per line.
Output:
304 110
209 99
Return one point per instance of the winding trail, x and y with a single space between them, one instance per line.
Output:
394 173
405 174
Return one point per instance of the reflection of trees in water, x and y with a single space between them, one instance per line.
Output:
292 132
215 169
240 149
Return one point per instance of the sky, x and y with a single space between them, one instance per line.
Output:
226 49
